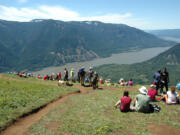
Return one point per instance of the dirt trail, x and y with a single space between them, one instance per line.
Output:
21 126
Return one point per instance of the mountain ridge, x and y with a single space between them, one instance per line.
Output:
42 43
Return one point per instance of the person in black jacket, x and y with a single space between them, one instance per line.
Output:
164 80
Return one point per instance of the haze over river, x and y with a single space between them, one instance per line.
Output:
121 58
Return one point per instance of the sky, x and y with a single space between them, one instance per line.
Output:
142 14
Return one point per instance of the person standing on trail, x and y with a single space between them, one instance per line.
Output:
72 75
82 74
59 75
65 74
90 75
157 79
164 80
95 80
124 102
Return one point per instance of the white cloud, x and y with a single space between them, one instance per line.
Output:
60 13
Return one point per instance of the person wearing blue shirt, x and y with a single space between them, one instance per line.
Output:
178 86
157 79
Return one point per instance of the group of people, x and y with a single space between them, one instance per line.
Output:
161 80
122 82
143 100
141 103
90 76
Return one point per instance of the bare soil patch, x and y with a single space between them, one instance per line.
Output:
163 130
53 126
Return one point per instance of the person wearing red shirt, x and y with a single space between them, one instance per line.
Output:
152 92
124 102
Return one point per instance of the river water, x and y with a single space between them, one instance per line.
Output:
121 58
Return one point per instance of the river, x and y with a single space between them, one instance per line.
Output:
121 58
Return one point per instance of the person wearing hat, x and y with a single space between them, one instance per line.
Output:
152 92
142 101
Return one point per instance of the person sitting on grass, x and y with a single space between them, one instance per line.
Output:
171 97
130 83
142 101
124 102
152 92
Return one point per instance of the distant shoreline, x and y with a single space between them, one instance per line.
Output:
125 57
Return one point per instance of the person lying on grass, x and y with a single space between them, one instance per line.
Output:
124 102
172 97
152 92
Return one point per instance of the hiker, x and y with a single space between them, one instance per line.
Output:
52 77
130 83
142 101
124 102
78 76
20 74
65 74
108 82
172 97
95 80
164 80
72 75
82 74
39 76
46 77
157 79
90 75
178 86
122 82
101 80
59 75
152 92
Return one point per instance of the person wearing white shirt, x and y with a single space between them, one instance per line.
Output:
172 96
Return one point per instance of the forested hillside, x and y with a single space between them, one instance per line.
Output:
42 43
142 73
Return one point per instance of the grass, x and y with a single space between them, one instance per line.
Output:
19 96
93 114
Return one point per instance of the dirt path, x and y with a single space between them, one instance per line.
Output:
21 126
163 130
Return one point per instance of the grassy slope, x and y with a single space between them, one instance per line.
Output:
19 96
93 114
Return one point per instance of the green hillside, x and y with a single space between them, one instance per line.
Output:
42 43
20 96
142 73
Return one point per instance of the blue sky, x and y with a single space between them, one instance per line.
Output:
143 14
